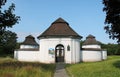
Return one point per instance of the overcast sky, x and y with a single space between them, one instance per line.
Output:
84 16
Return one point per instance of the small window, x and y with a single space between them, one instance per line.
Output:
68 48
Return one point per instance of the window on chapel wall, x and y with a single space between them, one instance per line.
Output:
68 48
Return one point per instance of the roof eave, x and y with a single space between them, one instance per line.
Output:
60 36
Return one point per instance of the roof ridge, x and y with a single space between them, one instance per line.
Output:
60 20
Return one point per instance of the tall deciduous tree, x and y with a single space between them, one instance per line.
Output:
2 2
7 17
9 42
7 20
112 9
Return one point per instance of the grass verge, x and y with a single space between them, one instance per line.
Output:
12 68
107 68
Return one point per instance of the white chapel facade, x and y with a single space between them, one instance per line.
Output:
58 43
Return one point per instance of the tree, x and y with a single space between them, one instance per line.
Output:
9 42
112 9
2 2
112 49
7 20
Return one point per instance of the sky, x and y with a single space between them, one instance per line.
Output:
84 16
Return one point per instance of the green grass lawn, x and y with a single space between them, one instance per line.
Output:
107 68
12 68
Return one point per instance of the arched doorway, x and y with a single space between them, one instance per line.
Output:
59 53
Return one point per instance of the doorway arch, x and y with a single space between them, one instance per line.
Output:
59 53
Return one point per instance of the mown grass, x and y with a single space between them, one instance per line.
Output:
107 68
12 68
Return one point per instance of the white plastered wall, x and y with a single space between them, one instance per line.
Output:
30 56
92 46
75 54
91 56
104 54
71 56
28 46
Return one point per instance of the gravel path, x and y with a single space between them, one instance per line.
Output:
60 70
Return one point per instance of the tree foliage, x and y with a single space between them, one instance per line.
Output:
2 2
9 42
7 20
112 49
112 9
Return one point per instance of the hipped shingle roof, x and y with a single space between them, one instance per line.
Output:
59 28
90 40
29 40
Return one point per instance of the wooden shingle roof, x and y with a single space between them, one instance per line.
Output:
30 40
90 40
60 28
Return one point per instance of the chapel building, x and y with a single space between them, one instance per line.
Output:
59 43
